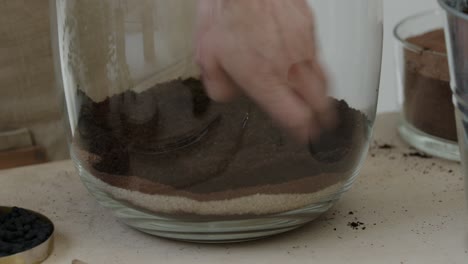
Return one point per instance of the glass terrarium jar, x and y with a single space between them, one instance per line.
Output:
151 145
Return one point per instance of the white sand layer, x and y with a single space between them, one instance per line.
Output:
257 204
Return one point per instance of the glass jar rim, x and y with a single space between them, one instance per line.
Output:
411 46
452 10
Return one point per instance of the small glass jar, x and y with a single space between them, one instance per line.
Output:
428 117
152 146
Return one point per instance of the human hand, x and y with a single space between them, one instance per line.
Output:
265 49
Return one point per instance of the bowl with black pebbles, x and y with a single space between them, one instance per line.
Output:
25 236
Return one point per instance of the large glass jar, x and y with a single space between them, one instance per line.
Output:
150 144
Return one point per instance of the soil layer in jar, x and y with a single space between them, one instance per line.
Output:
173 140
428 98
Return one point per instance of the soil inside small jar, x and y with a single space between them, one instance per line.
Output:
428 98
172 140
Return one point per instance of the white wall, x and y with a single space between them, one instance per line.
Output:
395 10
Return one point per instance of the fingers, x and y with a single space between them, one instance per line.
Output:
260 80
205 16
280 101
297 30
234 55
306 76
307 84
310 82
218 85
288 110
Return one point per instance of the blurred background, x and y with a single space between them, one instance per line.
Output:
31 130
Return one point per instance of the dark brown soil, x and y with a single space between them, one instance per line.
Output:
174 136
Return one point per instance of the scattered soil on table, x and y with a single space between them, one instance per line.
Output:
356 225
386 146
418 155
